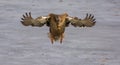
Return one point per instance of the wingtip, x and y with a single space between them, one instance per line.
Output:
22 18
22 23
94 22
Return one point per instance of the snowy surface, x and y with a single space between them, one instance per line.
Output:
98 45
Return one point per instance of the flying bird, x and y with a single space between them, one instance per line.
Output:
57 23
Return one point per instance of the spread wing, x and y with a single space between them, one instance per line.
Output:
88 21
27 20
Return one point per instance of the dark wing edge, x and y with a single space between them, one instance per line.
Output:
88 21
27 20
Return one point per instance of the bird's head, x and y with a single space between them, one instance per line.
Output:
58 19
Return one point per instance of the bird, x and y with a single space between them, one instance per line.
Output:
57 23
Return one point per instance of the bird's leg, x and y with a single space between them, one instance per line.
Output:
51 38
61 38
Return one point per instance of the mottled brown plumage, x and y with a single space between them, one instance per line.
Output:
57 23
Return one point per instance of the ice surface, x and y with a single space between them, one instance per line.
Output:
99 45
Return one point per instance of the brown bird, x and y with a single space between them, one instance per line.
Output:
57 23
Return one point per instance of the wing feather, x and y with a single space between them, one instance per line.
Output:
88 21
27 20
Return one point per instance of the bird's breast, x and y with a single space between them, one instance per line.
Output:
56 30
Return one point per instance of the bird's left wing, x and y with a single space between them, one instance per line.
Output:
88 21
27 20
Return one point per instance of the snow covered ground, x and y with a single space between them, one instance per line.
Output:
98 45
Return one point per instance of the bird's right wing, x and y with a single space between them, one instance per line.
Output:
88 21
27 20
